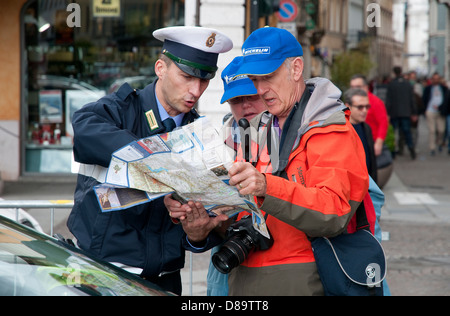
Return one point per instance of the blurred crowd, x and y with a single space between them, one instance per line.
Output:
386 115
427 98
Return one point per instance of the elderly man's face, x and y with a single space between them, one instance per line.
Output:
278 89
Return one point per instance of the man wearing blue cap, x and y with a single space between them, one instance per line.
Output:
142 238
310 174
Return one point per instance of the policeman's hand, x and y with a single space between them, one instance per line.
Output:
175 208
247 179
197 224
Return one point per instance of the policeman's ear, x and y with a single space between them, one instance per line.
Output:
160 68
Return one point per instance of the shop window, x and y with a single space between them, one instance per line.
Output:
67 65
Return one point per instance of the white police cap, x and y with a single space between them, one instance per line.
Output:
194 49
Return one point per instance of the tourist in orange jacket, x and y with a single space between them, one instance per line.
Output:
324 182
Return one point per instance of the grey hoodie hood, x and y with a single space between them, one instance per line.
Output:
323 106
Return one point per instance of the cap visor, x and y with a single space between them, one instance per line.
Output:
195 72
238 91
259 68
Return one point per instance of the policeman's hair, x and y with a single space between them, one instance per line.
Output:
166 59
350 93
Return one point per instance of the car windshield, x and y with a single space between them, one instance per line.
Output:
34 264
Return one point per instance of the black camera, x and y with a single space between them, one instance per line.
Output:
241 237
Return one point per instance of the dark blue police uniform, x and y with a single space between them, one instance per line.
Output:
142 236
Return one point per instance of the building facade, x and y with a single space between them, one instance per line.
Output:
343 24
439 40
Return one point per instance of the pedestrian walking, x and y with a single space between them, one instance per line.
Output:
435 100
401 109
418 94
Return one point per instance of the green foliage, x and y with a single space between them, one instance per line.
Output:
349 63
390 138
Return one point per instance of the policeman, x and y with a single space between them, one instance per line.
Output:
141 238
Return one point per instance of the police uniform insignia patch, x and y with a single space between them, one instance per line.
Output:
151 119
211 40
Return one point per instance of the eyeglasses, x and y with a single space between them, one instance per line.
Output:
242 99
361 107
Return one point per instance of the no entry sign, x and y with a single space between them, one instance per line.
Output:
288 11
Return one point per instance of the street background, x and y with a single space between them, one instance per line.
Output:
415 220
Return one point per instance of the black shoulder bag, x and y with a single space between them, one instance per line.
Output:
351 264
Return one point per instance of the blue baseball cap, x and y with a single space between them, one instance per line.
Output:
266 49
236 86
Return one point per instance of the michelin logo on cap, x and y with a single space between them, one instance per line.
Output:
256 51
229 79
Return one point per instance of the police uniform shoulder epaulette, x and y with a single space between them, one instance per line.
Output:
124 91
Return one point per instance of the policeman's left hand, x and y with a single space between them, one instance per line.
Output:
197 224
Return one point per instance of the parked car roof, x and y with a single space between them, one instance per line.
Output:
32 263
64 83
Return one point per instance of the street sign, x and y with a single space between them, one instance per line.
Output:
288 11
288 26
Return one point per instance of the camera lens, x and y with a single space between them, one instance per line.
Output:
232 253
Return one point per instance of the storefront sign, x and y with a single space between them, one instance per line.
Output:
106 8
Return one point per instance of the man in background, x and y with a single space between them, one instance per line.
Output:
434 100
401 109
376 115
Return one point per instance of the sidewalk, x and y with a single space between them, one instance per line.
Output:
419 190
416 221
